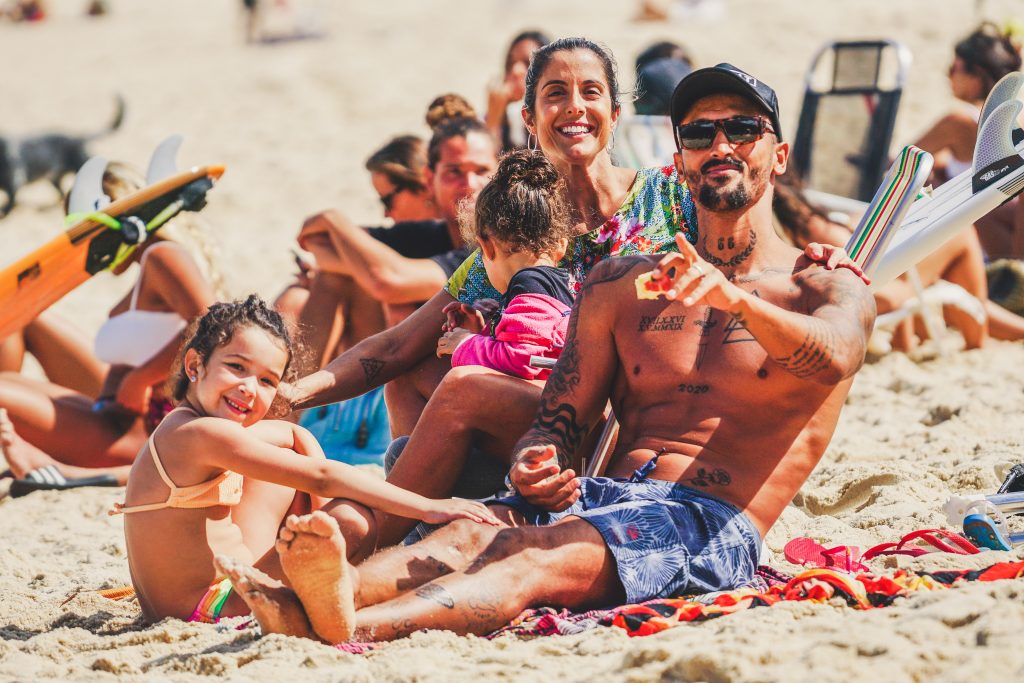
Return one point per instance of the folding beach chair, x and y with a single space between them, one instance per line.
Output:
852 92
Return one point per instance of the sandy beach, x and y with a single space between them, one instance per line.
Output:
293 121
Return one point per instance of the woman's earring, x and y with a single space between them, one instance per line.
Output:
531 138
191 378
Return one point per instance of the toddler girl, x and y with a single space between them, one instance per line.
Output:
521 222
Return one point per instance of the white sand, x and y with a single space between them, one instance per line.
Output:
294 122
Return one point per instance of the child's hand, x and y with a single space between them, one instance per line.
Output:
450 341
833 257
458 314
442 511
488 308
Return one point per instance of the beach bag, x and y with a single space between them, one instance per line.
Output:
355 431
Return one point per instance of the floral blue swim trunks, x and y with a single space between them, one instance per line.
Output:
668 540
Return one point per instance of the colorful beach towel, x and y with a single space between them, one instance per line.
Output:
863 591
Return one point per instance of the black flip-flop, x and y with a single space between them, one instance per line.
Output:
1014 481
49 478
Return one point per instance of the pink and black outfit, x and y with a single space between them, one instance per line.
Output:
532 321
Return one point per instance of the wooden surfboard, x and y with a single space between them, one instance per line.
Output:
33 283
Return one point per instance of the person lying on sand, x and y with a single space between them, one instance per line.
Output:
215 477
727 365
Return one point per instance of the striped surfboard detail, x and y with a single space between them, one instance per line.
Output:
903 182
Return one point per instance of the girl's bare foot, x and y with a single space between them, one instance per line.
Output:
312 552
275 607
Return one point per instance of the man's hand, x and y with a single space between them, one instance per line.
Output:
451 340
288 393
686 275
539 479
458 314
833 257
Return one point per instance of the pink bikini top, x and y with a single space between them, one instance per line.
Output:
224 489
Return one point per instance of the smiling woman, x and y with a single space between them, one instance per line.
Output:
572 105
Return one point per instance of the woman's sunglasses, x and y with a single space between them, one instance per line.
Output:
388 199
739 130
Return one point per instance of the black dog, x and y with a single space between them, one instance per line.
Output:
50 156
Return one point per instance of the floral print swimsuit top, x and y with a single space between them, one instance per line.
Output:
657 206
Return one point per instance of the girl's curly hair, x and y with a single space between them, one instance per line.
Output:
523 206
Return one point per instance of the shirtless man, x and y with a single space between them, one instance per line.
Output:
727 388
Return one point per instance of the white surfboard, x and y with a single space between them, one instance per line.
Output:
996 176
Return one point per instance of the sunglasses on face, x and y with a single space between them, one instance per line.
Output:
739 130
388 200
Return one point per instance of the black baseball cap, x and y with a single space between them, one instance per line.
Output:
719 79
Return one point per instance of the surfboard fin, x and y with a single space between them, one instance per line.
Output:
994 154
1004 91
86 194
164 162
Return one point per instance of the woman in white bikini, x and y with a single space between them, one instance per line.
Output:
55 437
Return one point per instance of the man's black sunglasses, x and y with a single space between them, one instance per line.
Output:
738 130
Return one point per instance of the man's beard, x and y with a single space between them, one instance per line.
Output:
722 199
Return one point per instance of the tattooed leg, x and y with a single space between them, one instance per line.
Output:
400 569
566 564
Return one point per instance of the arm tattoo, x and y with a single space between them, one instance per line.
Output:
566 374
558 426
435 593
371 368
814 354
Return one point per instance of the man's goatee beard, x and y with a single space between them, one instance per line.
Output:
714 199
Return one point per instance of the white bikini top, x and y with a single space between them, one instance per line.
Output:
954 166
133 337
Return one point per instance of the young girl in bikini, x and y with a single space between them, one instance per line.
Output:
214 478
522 223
